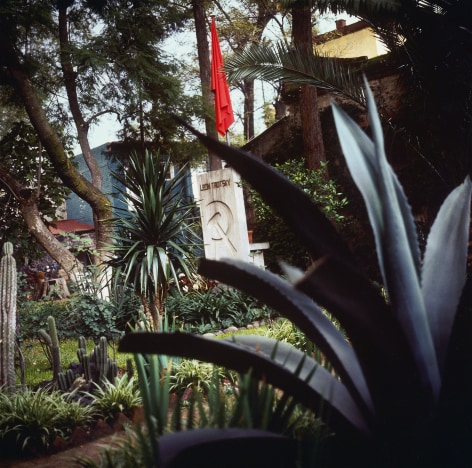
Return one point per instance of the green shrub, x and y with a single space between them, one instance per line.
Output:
215 309
197 375
82 314
33 315
286 331
273 229
92 317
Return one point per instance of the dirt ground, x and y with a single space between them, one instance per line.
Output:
66 458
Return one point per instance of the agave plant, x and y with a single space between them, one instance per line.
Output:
398 396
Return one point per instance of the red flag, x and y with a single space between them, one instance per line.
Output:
223 108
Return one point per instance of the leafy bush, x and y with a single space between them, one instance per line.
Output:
197 375
82 314
93 317
273 229
286 331
215 309
33 315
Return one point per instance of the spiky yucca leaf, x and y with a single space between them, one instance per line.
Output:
155 236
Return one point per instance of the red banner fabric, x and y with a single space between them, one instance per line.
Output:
223 108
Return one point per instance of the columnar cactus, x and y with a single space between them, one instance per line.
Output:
8 292
51 346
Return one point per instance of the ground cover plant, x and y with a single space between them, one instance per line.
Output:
31 420
214 309
399 396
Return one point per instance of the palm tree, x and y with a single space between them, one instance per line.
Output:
154 238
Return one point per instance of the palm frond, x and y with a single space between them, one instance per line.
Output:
290 65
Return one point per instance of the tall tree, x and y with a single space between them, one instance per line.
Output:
29 193
107 61
302 33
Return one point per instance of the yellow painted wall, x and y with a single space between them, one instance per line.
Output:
361 43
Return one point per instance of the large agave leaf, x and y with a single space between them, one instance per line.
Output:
303 312
393 226
370 323
375 335
445 263
322 389
209 447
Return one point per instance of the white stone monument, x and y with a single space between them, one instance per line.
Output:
223 215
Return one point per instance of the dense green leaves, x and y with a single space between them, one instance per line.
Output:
21 157
271 228
155 238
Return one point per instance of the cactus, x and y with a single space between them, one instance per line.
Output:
8 292
129 368
50 342
66 380
55 351
102 359
96 366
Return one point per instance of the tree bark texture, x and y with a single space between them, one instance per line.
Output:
30 212
313 145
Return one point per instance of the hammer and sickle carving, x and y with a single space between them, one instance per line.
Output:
220 224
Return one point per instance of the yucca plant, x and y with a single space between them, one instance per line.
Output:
155 237
400 395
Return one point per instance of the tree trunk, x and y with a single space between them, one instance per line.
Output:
248 90
102 230
51 142
313 146
37 228
205 77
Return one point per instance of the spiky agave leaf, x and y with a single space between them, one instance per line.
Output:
278 363
395 236
370 324
304 313
444 266
211 447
